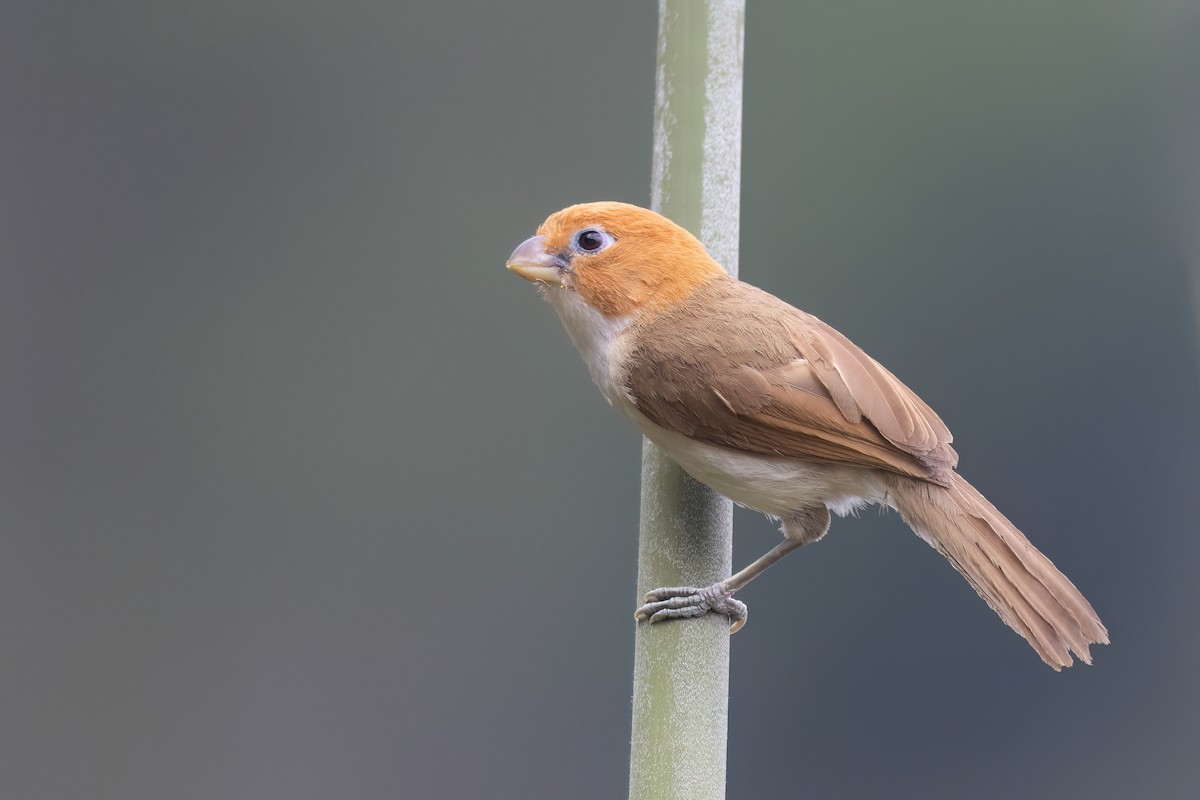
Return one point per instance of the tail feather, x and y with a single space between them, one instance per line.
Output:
1009 573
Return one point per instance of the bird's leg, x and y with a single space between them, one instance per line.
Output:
679 602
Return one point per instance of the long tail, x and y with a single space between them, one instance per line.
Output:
1017 581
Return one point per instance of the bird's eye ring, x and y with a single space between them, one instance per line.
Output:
592 240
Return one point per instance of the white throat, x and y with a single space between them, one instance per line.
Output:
595 336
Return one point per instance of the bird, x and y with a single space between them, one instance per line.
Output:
780 412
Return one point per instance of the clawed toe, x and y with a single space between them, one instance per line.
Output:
682 602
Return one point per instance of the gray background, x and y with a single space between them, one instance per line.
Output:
302 495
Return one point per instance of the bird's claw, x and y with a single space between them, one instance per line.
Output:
681 602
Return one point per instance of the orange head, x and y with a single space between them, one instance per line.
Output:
619 258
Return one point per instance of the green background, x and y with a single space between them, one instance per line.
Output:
303 495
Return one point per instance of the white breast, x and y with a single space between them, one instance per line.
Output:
775 485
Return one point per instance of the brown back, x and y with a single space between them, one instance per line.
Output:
753 373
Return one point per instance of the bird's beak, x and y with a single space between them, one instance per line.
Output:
531 261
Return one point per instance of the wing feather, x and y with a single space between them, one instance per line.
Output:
759 375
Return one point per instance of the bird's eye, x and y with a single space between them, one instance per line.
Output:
591 240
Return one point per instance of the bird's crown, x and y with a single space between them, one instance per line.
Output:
623 259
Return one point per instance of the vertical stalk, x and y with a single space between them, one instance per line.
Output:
681 668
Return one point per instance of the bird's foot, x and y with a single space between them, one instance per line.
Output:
680 602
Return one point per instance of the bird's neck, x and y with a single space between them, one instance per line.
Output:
596 337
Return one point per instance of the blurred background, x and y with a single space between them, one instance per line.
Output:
303 495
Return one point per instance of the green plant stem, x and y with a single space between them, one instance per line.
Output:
681 668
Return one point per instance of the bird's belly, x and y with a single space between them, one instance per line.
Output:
776 485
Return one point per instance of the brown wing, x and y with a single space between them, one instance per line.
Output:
757 374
